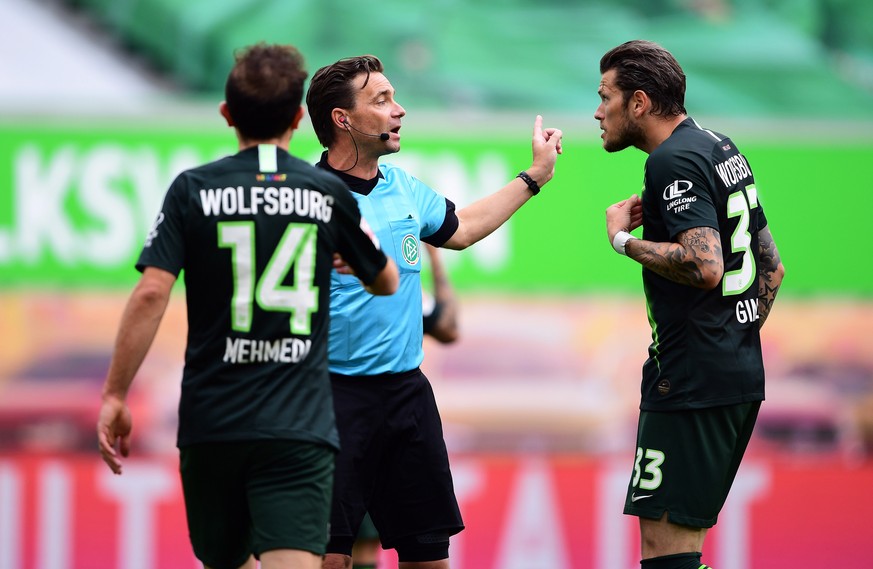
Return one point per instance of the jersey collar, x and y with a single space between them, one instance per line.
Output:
357 185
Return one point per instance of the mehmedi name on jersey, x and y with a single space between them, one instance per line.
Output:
285 350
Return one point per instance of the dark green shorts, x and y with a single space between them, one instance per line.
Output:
368 530
686 462
244 498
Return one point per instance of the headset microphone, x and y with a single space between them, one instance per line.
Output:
382 136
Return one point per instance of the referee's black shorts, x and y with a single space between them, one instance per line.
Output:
392 461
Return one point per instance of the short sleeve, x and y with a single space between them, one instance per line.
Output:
682 190
165 245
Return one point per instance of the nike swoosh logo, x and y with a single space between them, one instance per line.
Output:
635 498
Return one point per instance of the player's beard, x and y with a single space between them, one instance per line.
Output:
627 133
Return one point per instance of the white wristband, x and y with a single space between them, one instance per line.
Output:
620 240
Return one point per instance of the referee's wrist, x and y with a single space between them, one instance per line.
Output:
531 183
619 242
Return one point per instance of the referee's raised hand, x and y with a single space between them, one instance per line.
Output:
546 144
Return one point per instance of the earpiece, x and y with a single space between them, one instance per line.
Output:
383 136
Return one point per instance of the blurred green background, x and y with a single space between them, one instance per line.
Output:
77 201
791 81
786 58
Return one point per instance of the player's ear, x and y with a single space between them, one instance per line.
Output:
297 118
639 103
225 112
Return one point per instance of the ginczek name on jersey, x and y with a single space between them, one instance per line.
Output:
267 200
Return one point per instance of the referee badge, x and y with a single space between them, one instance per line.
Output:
409 249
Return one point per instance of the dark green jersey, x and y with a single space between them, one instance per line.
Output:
255 234
706 350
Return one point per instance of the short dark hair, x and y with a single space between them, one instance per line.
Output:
331 88
264 89
646 66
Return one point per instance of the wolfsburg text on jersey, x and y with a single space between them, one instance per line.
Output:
733 170
268 200
285 350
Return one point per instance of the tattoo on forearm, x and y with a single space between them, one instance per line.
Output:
689 262
766 297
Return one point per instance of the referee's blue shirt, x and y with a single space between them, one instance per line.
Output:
372 335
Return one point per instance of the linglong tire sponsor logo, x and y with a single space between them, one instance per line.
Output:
676 189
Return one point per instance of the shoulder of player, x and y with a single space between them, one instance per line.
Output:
303 174
679 160
329 183
696 137
228 171
204 175
687 145
196 178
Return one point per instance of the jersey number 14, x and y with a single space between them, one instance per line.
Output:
295 252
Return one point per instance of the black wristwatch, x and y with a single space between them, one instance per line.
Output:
531 183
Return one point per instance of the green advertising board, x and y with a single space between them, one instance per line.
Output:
77 201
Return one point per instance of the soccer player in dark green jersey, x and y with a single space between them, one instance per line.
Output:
711 272
256 234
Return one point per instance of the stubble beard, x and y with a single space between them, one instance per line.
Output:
629 134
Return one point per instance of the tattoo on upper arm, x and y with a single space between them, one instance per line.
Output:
769 277
768 256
